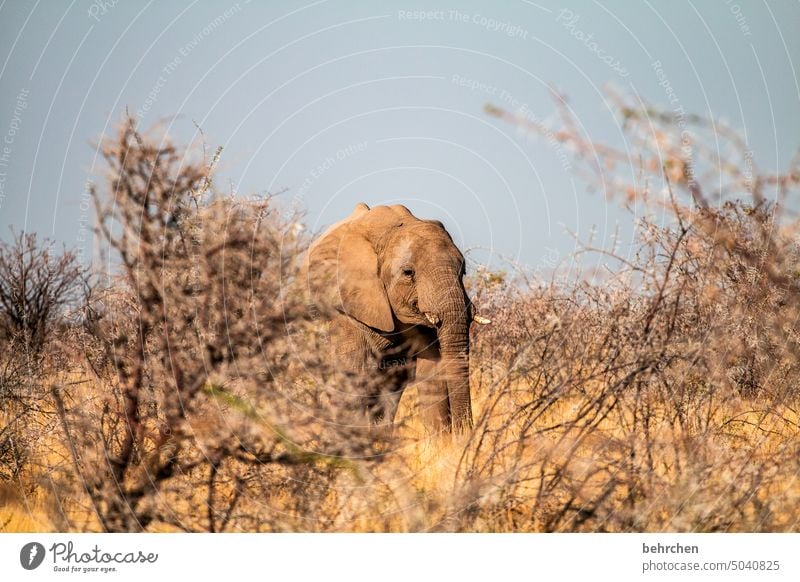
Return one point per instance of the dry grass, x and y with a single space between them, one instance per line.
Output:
745 478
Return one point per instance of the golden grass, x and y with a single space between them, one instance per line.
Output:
421 485
23 514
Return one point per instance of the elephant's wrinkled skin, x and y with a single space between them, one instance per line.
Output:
400 312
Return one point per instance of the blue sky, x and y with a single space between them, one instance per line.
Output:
339 102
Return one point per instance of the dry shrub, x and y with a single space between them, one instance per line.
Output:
40 292
662 396
195 407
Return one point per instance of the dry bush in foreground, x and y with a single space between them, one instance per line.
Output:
194 405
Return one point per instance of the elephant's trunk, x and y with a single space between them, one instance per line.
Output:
454 347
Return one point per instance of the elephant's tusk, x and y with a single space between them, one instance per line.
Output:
432 318
481 320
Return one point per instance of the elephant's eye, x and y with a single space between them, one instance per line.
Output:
408 272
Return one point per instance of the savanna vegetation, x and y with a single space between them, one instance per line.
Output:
190 389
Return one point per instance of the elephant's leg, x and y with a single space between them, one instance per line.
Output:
355 368
351 345
376 373
391 380
433 400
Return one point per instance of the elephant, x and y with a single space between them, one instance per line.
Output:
392 287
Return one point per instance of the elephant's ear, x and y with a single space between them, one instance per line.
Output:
345 265
362 293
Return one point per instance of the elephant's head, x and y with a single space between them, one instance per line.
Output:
390 270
